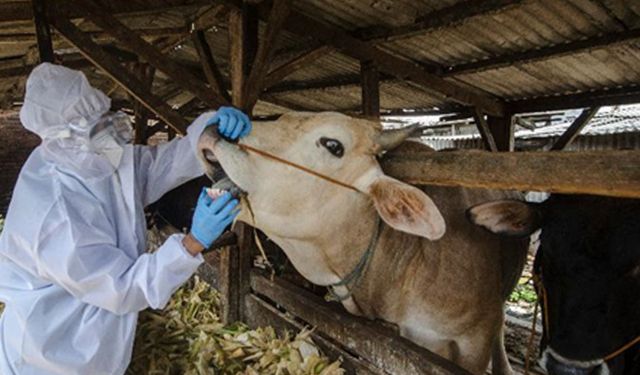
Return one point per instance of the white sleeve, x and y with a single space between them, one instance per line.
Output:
78 251
161 168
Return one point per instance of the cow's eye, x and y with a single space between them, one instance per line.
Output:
333 145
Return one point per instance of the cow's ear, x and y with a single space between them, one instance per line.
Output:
509 218
406 208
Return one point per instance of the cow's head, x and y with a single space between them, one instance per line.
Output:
295 207
589 259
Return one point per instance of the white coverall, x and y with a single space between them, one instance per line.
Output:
73 267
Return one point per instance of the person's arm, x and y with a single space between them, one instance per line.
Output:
164 167
78 251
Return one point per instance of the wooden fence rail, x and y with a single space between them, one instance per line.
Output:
611 173
372 341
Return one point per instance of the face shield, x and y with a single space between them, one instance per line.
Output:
109 135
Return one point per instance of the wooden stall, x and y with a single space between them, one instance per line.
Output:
165 61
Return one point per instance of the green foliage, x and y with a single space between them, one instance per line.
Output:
188 338
524 292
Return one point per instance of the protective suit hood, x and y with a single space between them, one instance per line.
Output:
61 107
57 99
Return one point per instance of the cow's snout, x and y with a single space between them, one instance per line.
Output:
556 367
206 144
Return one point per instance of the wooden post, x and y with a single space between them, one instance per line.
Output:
502 130
43 32
485 132
370 89
235 267
572 132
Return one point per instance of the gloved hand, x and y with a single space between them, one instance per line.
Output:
212 216
232 123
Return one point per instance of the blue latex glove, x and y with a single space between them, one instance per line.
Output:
211 217
232 123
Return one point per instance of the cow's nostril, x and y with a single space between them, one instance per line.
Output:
209 156
555 367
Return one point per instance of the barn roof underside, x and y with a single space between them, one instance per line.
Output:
531 54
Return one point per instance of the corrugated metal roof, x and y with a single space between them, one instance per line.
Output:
608 121
525 25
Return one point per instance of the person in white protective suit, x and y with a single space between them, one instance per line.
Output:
73 268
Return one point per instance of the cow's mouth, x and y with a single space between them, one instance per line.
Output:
228 185
218 176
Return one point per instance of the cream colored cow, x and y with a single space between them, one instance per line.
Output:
444 291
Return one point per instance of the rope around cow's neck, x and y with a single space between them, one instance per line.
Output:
353 277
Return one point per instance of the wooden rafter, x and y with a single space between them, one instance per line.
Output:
25 37
152 55
402 69
110 65
209 66
611 173
572 132
266 49
208 18
321 84
545 53
297 63
43 32
441 18
485 132
617 96
22 11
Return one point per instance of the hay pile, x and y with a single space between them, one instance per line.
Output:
188 338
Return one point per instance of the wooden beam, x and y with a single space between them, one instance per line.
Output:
75 61
398 67
208 18
150 54
572 132
22 11
370 89
485 132
43 32
614 96
110 65
297 63
502 129
545 53
393 65
391 353
611 173
255 82
209 66
20 38
445 17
